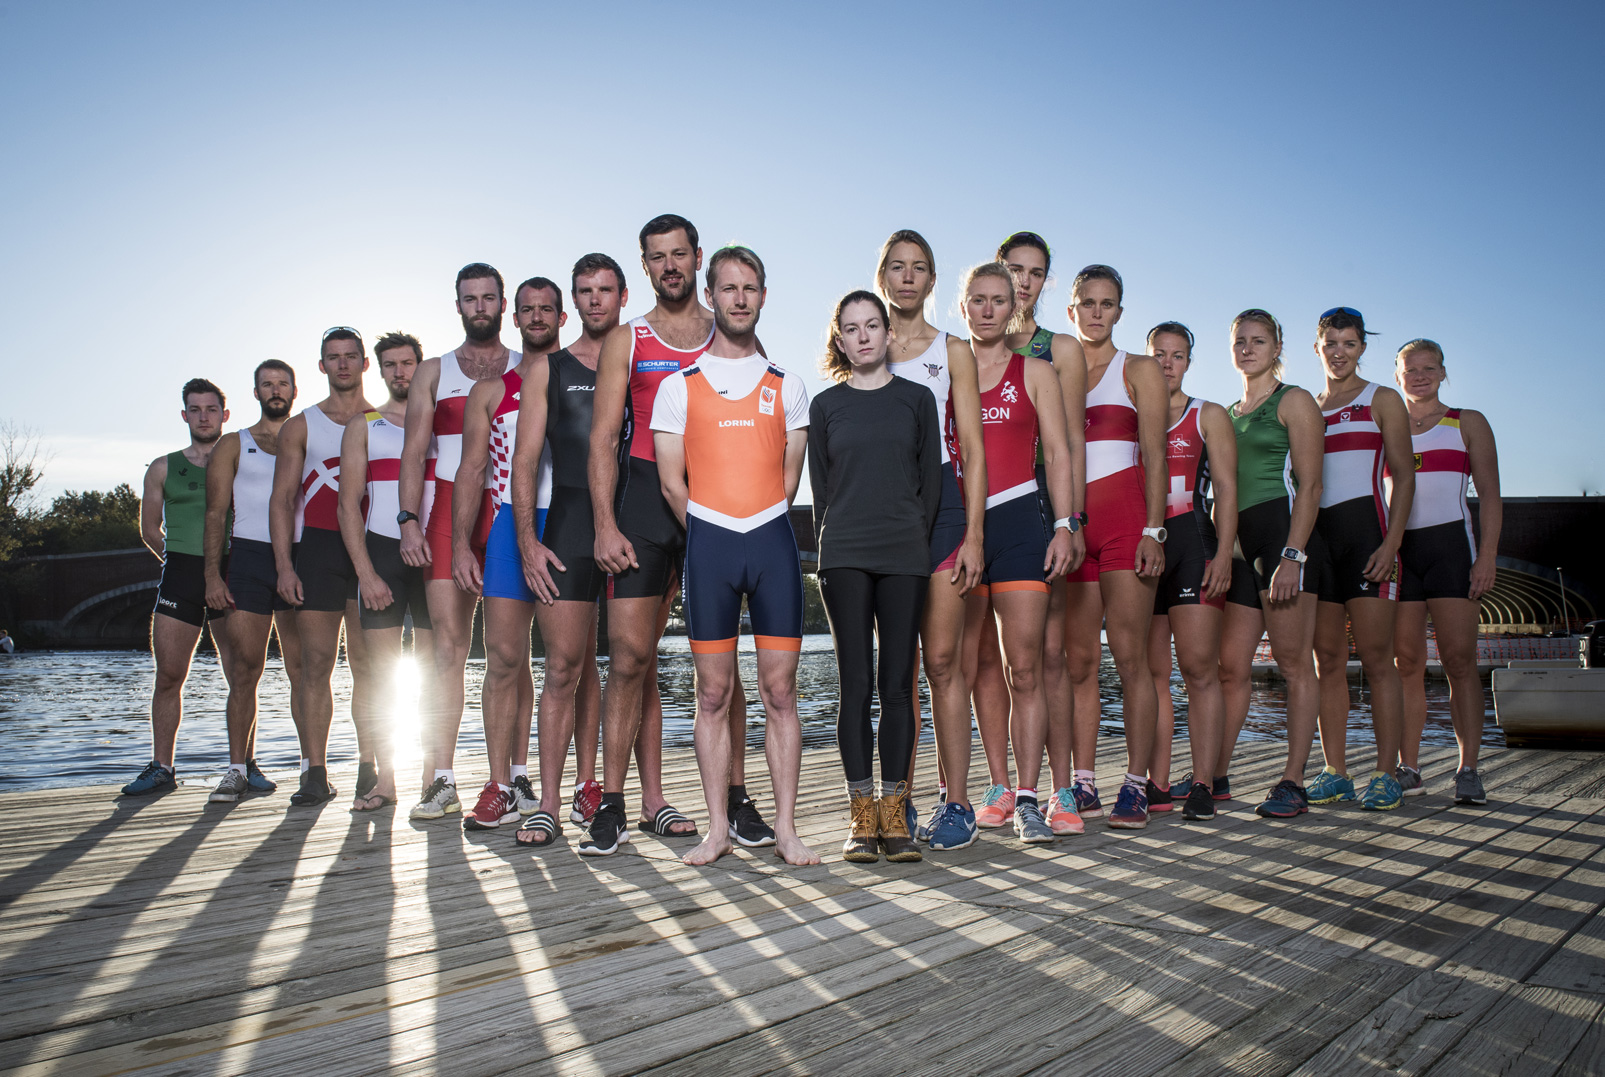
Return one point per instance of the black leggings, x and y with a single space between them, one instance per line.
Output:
860 603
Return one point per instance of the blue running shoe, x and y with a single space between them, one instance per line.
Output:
1131 808
155 778
1382 793
923 831
1328 786
1088 806
1221 788
1286 801
259 782
1182 787
955 828
911 816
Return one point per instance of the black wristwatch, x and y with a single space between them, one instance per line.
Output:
1082 516
403 516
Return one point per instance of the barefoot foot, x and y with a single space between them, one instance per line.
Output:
791 848
711 849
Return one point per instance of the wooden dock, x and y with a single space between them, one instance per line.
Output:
178 937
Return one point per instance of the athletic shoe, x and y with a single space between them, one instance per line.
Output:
747 826
1468 787
1284 802
367 778
1221 788
524 798
233 786
911 817
495 807
259 782
1088 806
1328 786
1029 826
923 832
1200 803
607 832
954 828
1062 817
315 788
1131 808
587 798
1381 793
997 804
1180 789
1158 799
439 799
1409 779
155 778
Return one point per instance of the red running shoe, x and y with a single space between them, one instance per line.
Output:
495 807
587 798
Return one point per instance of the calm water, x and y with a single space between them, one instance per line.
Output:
82 717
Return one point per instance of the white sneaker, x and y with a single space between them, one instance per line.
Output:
439 799
524 798
233 786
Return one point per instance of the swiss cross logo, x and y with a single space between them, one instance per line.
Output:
1180 443
1010 393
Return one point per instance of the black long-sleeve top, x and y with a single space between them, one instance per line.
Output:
875 464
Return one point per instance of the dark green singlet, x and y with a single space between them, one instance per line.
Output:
184 505
1264 465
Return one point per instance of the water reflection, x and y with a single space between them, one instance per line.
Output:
81 717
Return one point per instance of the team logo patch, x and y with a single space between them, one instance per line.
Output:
766 400
653 366
1418 461
1010 393
933 370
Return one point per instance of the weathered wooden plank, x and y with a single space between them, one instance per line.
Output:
1532 1031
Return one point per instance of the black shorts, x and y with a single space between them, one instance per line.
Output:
1244 589
252 578
644 517
1351 531
571 535
1188 550
947 534
181 594
1016 545
406 585
1435 562
1262 536
328 581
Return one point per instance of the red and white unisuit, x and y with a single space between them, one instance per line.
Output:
1117 507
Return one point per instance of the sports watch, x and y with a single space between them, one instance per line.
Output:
1290 554
1158 534
403 516
1071 524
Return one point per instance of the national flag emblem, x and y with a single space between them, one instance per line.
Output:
1418 461
766 400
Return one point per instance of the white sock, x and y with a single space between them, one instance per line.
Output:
238 768
1022 793
941 790
504 788
1086 776
520 770
305 763
1140 779
450 776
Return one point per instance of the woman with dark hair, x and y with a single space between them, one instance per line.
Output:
919 352
874 460
1443 568
1361 526
1200 530
1279 450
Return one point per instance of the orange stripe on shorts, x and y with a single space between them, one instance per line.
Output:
713 646
778 643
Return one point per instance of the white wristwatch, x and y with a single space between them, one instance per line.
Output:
1290 554
1071 524
1158 534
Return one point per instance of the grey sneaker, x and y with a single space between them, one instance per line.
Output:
1409 779
1029 825
1468 787
524 798
233 786
439 799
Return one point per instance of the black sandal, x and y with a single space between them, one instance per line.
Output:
660 824
541 822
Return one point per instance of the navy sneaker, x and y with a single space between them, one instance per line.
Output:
1180 788
955 828
259 782
1088 806
1131 808
155 778
1285 801
923 832
1221 788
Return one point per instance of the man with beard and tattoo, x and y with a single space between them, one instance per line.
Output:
429 463
239 478
171 520
388 588
638 537
490 438
315 573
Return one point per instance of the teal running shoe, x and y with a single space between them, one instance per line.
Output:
155 778
1382 794
1329 785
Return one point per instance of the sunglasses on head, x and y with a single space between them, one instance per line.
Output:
1350 311
327 333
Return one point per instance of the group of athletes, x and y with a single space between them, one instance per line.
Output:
982 506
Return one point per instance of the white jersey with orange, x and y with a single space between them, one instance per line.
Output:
384 474
755 395
451 397
1111 424
1352 467
320 473
253 490
930 370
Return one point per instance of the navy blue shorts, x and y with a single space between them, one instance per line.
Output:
1016 545
722 566
947 533
252 578
504 567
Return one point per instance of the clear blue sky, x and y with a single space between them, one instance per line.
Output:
190 189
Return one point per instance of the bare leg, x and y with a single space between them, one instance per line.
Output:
320 644
1242 627
1056 686
1373 639
1128 602
1159 664
1332 672
942 636
1455 622
587 704
1083 621
451 614
288 629
1291 626
1022 614
632 624
382 648
1410 659
777 687
507 681
983 668
366 711
716 675
1197 630
248 638
172 644
569 632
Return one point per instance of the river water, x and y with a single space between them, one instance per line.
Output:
82 717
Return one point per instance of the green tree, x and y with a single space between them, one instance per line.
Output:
21 470
88 521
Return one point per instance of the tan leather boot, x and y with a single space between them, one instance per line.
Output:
861 846
900 846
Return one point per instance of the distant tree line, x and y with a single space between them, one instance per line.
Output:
74 522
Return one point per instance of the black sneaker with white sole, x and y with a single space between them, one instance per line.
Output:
747 826
1200 803
608 831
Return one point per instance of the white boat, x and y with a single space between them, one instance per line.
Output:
1550 704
